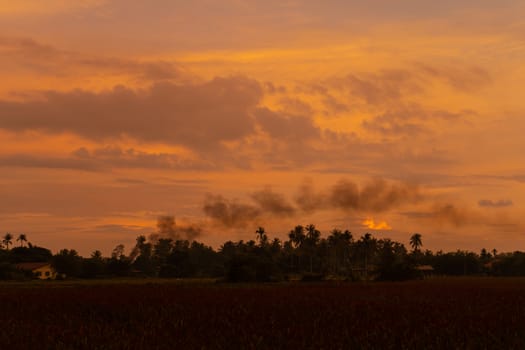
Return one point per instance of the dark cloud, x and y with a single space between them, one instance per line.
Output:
198 116
495 204
286 127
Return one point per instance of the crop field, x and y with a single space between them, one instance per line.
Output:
431 314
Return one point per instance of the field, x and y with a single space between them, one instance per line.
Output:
431 314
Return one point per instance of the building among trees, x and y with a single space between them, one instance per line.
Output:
40 270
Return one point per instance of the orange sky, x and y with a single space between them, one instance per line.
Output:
389 118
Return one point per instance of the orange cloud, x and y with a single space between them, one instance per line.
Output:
376 226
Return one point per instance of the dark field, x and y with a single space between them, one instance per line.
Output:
439 314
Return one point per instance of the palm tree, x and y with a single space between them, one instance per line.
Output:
261 236
7 240
415 242
297 238
22 238
313 236
339 242
366 241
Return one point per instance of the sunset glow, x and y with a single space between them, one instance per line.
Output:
232 115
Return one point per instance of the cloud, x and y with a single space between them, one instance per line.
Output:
495 204
443 214
31 161
412 120
199 116
379 88
286 127
466 78
107 158
394 91
27 54
129 229
518 178
117 157
449 214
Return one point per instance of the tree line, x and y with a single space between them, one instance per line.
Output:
305 255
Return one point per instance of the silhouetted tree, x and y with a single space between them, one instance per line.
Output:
393 262
7 240
366 246
339 243
509 264
416 242
312 239
119 264
162 249
94 266
261 236
68 262
22 238
30 254
297 238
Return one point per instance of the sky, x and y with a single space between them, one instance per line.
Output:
383 117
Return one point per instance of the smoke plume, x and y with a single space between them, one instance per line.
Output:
229 213
167 228
273 203
376 196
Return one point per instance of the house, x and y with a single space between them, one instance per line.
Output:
40 270
425 270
